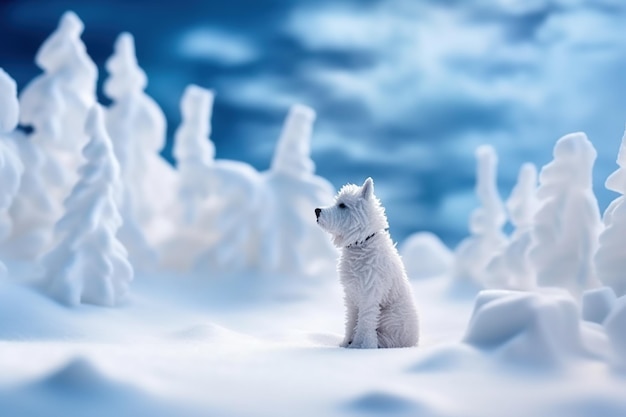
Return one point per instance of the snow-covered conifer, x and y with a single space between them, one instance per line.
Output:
10 165
567 224
293 151
220 198
487 239
511 268
243 219
55 105
137 128
69 72
8 103
33 211
233 213
88 264
293 193
193 150
610 259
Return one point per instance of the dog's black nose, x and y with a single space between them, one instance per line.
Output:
317 212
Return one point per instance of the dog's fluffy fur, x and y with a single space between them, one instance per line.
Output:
379 301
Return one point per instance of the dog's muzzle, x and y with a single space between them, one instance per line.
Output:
317 213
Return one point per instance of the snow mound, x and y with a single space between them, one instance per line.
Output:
615 325
79 388
384 403
78 375
26 314
533 328
425 255
446 358
597 304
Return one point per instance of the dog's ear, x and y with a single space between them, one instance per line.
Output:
368 188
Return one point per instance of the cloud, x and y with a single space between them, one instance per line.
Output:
207 43
431 65
446 77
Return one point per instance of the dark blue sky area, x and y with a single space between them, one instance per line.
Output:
405 90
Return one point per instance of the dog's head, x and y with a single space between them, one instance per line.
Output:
356 214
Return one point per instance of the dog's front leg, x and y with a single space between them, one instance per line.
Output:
365 336
351 320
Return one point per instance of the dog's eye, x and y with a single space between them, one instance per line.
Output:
342 206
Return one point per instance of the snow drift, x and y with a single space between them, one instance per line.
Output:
526 328
79 388
426 256
615 324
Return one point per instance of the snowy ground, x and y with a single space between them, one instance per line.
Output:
181 347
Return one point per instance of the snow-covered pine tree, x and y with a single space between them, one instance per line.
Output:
232 214
88 264
289 233
137 128
33 211
567 224
220 198
487 239
610 260
10 165
55 105
511 268
70 73
133 111
292 156
8 103
194 151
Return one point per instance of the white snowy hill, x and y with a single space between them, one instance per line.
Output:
132 288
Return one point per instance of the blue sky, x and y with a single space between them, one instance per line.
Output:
405 90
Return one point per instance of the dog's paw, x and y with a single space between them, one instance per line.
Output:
346 343
364 344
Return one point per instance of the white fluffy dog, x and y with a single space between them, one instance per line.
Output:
381 311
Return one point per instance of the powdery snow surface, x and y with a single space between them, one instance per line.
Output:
175 351
222 291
